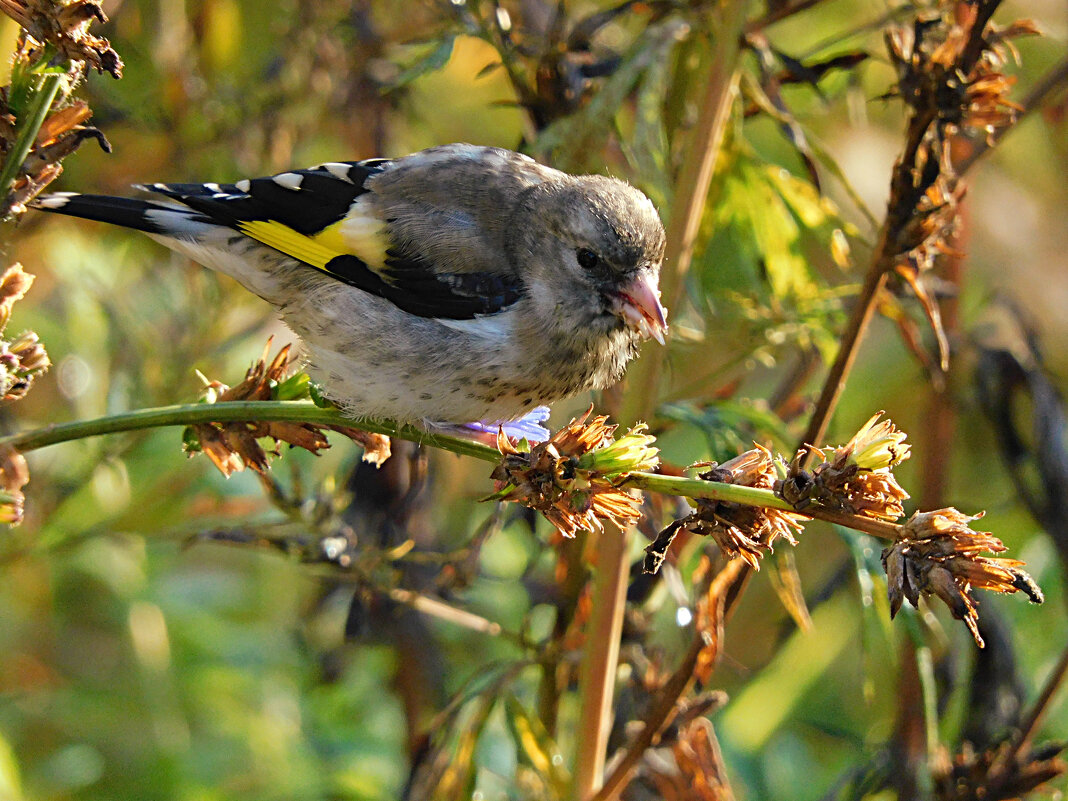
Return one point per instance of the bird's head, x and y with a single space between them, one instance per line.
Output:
591 248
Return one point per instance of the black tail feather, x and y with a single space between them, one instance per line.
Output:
127 212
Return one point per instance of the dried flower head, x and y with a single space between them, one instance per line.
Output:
971 775
938 554
573 478
14 284
856 477
14 475
738 529
64 24
947 66
234 446
24 359
698 773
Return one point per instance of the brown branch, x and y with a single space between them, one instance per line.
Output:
665 704
600 660
779 14
1003 765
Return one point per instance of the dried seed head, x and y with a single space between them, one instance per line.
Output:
855 478
971 774
572 478
233 446
65 25
938 554
739 530
14 475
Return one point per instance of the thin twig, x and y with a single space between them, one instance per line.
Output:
1021 741
665 704
779 14
863 311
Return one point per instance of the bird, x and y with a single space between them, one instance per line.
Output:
458 284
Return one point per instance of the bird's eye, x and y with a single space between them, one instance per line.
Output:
587 259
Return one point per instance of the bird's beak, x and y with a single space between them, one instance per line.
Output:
639 306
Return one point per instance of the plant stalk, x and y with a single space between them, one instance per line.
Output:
307 412
691 195
38 113
600 660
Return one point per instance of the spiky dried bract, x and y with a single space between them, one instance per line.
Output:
14 475
698 773
23 359
573 478
740 530
233 446
947 67
64 24
972 775
856 478
939 554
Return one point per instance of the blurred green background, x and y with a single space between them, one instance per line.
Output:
140 661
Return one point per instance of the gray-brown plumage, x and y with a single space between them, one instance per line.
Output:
456 284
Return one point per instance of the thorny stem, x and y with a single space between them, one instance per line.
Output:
687 208
37 114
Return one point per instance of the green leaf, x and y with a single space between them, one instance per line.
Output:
431 61
729 426
568 142
534 745
296 387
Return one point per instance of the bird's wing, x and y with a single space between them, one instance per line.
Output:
321 217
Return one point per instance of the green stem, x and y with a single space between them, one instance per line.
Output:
236 411
38 113
307 412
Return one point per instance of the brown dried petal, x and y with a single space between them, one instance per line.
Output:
376 447
14 284
14 473
215 448
62 121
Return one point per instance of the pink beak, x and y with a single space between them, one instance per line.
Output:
640 307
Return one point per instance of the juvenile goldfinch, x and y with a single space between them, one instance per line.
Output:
456 284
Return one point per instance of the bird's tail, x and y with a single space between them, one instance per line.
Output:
149 216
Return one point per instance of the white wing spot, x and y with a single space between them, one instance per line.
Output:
338 170
288 180
244 184
214 187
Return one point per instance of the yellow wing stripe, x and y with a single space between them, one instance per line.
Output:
282 237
